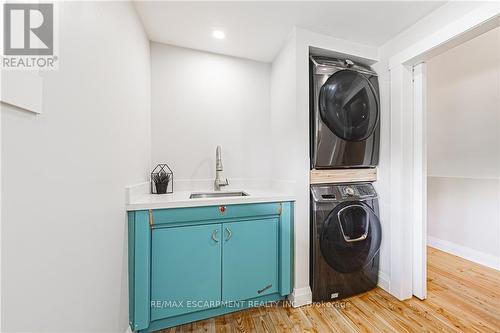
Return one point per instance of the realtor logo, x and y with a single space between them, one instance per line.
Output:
28 36
29 29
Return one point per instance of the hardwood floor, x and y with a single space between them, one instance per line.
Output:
462 297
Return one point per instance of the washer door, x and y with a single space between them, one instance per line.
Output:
350 237
348 105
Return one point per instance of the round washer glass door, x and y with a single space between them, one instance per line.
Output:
348 105
350 237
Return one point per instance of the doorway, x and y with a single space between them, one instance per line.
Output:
463 150
456 155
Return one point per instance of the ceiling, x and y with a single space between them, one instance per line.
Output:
257 30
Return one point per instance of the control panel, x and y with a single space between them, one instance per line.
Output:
357 190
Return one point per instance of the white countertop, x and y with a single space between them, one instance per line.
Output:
181 199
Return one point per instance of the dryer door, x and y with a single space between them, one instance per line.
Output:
350 237
348 105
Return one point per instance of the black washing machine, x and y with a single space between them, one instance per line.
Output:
345 240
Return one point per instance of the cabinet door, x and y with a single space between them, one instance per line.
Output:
186 270
250 259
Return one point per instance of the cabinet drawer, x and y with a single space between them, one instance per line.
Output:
214 213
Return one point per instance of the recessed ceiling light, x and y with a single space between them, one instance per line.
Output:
218 34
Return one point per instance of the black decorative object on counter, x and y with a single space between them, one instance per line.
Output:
162 179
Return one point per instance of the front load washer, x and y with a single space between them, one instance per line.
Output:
344 114
345 240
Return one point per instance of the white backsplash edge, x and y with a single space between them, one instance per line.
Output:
134 191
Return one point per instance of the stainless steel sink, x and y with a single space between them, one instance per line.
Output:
217 194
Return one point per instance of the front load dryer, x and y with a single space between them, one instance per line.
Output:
345 240
344 114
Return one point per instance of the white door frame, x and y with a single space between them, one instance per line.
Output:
419 264
408 150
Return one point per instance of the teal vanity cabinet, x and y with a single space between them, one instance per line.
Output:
188 264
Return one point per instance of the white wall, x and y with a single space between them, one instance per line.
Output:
286 157
284 124
201 100
463 149
64 249
463 109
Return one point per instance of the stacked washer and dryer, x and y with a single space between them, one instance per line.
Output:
344 133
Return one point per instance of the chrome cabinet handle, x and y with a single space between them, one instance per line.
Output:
214 236
229 234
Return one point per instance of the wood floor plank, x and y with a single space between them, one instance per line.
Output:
373 314
472 276
462 297
418 321
361 322
464 268
280 320
395 321
336 321
300 320
463 320
481 298
319 323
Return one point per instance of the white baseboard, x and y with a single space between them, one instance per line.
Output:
384 281
300 297
478 257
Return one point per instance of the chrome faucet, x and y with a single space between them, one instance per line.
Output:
218 168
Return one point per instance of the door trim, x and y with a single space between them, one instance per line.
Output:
419 263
